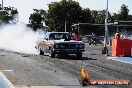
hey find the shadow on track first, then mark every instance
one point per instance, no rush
(73, 57)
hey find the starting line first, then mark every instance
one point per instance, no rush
(4, 82)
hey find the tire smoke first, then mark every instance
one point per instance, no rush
(18, 38)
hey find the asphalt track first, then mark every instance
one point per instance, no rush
(35, 71)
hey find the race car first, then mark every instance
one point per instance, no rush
(59, 43)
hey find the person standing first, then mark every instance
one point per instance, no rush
(76, 36)
(117, 35)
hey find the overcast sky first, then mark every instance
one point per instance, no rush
(25, 7)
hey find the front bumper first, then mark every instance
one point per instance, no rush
(69, 51)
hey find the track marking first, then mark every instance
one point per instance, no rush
(9, 84)
(7, 70)
(127, 60)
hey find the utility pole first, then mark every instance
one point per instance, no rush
(105, 49)
(78, 31)
(65, 25)
(106, 27)
(2, 5)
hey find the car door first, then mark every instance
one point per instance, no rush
(46, 42)
(50, 42)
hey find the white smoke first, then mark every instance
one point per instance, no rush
(18, 38)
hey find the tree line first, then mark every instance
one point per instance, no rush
(8, 15)
(70, 12)
(67, 12)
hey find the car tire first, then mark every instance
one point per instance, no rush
(52, 55)
(41, 52)
(79, 55)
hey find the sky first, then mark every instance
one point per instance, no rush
(25, 7)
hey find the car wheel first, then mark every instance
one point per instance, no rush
(52, 55)
(41, 52)
(79, 55)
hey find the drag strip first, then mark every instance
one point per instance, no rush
(33, 71)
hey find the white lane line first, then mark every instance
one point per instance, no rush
(7, 70)
(7, 81)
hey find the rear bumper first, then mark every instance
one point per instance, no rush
(69, 51)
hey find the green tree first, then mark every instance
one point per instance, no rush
(67, 11)
(7, 15)
(36, 19)
(94, 14)
(41, 12)
(85, 16)
(99, 16)
(115, 17)
(130, 17)
(124, 12)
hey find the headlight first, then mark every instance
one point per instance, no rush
(77, 46)
(56, 46)
(62, 46)
(81, 45)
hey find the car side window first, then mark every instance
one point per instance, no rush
(51, 36)
(58, 36)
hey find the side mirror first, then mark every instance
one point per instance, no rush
(46, 39)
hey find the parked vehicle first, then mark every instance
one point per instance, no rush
(59, 43)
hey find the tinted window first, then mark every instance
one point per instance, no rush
(58, 36)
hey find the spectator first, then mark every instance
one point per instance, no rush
(117, 35)
(75, 36)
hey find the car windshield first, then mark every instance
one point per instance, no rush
(58, 36)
